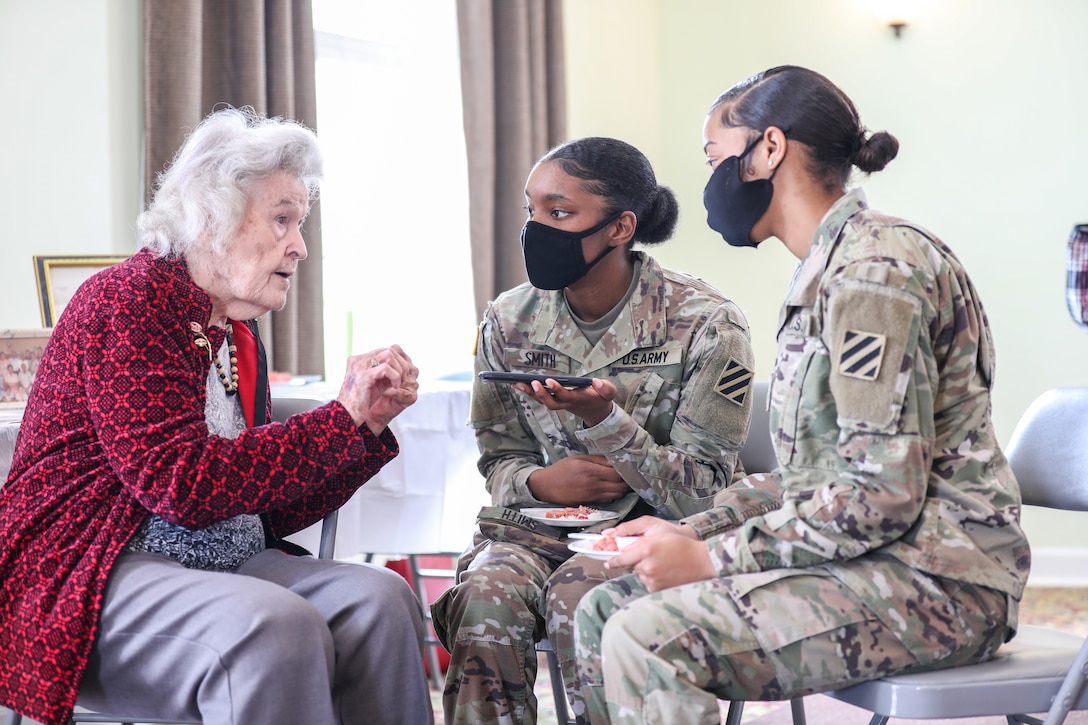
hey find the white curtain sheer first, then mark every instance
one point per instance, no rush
(397, 262)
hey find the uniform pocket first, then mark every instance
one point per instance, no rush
(785, 606)
(800, 397)
(644, 404)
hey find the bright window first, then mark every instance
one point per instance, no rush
(394, 203)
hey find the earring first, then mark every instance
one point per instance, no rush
(769, 163)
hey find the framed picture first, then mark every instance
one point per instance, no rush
(20, 353)
(59, 278)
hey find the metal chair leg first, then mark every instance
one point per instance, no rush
(559, 692)
(430, 642)
(797, 708)
(1071, 688)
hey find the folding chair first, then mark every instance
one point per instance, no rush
(1040, 670)
(419, 575)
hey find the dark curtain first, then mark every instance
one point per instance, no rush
(203, 54)
(514, 99)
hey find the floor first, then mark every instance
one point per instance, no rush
(1065, 609)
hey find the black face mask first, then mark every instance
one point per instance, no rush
(553, 257)
(734, 206)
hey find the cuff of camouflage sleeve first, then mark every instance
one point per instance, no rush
(732, 554)
(755, 495)
(611, 434)
(522, 492)
(711, 522)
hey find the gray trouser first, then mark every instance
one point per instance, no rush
(283, 639)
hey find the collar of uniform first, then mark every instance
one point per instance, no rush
(553, 327)
(642, 323)
(806, 279)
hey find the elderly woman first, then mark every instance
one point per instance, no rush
(140, 528)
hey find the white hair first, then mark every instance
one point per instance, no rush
(204, 192)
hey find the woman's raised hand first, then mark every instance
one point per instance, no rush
(378, 385)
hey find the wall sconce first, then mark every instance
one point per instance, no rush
(896, 14)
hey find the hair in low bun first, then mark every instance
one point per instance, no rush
(812, 110)
(658, 222)
(876, 151)
(622, 175)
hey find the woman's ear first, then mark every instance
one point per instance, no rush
(623, 229)
(775, 143)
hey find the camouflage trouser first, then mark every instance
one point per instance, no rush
(505, 599)
(668, 657)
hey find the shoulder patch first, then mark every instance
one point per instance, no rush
(861, 354)
(734, 382)
(872, 335)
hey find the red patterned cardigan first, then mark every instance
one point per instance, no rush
(115, 428)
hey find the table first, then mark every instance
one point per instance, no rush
(9, 430)
(426, 499)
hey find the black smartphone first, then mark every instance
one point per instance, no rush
(567, 381)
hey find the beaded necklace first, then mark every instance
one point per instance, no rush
(230, 384)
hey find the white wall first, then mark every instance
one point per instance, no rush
(987, 98)
(70, 84)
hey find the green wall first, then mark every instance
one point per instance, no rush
(71, 120)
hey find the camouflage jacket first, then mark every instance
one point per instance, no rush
(680, 356)
(880, 414)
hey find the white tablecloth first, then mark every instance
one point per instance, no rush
(9, 430)
(426, 499)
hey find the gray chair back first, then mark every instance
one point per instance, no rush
(282, 409)
(1048, 450)
(757, 454)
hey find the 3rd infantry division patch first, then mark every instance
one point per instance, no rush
(734, 382)
(862, 353)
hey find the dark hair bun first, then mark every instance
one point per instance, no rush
(876, 151)
(658, 222)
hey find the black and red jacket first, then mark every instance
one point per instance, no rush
(114, 429)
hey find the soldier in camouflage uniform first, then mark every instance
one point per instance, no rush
(897, 546)
(658, 431)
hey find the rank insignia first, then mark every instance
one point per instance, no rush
(862, 353)
(735, 382)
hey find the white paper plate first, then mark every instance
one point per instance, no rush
(584, 545)
(541, 515)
